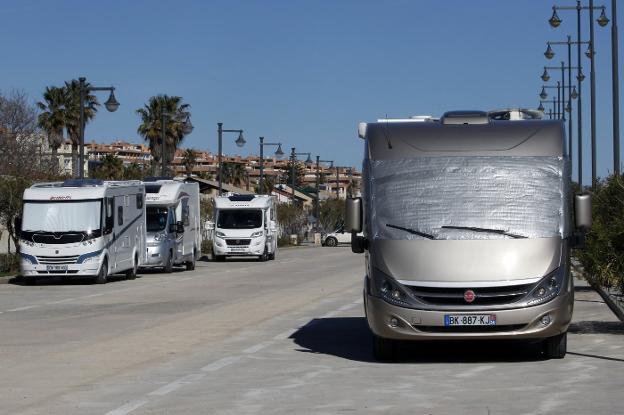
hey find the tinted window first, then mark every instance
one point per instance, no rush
(120, 215)
(239, 218)
(156, 219)
(139, 201)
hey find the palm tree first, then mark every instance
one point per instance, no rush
(151, 125)
(72, 115)
(233, 173)
(52, 118)
(110, 168)
(188, 159)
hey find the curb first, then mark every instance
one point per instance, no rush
(617, 309)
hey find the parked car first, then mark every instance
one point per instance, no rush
(337, 237)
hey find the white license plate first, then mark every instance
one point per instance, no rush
(56, 267)
(470, 320)
(238, 249)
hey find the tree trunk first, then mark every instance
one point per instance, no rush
(74, 156)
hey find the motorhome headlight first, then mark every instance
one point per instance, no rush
(388, 289)
(257, 234)
(28, 259)
(547, 288)
(159, 237)
(220, 234)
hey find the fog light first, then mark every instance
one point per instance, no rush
(394, 322)
(545, 320)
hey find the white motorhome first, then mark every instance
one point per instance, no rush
(173, 224)
(82, 228)
(467, 230)
(245, 225)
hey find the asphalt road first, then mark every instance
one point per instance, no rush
(281, 337)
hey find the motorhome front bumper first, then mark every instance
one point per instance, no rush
(392, 322)
(255, 247)
(157, 255)
(77, 270)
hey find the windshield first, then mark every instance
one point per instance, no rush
(239, 218)
(156, 218)
(468, 197)
(56, 217)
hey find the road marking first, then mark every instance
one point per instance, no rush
(28, 307)
(221, 363)
(127, 408)
(256, 348)
(474, 371)
(176, 384)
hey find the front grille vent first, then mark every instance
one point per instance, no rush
(237, 242)
(57, 260)
(483, 296)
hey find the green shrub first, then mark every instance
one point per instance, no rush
(603, 258)
(283, 240)
(9, 263)
(206, 246)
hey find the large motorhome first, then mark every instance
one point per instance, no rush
(173, 223)
(82, 228)
(245, 225)
(467, 231)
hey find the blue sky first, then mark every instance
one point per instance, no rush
(300, 72)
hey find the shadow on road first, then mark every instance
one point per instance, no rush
(350, 338)
(595, 356)
(583, 289)
(597, 327)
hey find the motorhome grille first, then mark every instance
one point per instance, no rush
(483, 296)
(237, 242)
(66, 238)
(469, 329)
(54, 260)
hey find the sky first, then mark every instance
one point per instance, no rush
(303, 73)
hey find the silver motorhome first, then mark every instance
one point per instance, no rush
(467, 231)
(173, 224)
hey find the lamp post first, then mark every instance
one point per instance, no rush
(293, 159)
(555, 21)
(111, 106)
(317, 207)
(548, 101)
(187, 128)
(557, 101)
(240, 141)
(278, 153)
(337, 183)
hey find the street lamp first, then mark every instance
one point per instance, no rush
(293, 159)
(590, 53)
(111, 105)
(549, 101)
(187, 128)
(240, 141)
(317, 207)
(278, 153)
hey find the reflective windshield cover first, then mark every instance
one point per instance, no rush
(57, 217)
(239, 218)
(521, 196)
(156, 218)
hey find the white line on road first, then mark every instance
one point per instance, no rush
(127, 408)
(221, 363)
(176, 384)
(256, 348)
(28, 307)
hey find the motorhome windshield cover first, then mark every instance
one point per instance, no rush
(498, 197)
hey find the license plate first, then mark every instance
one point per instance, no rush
(56, 267)
(237, 249)
(470, 320)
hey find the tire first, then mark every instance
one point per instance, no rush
(168, 269)
(272, 256)
(331, 242)
(131, 274)
(384, 350)
(556, 347)
(265, 256)
(190, 265)
(102, 277)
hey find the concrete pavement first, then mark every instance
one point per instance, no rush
(280, 337)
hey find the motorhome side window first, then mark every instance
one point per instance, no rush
(120, 215)
(185, 213)
(109, 219)
(139, 201)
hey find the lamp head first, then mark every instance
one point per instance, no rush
(543, 94)
(568, 108)
(279, 153)
(541, 107)
(111, 103)
(240, 141)
(545, 76)
(603, 20)
(590, 52)
(580, 76)
(187, 126)
(573, 94)
(554, 20)
(549, 52)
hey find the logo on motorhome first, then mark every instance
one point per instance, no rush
(469, 296)
(60, 197)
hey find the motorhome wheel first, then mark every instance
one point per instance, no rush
(265, 256)
(102, 277)
(132, 272)
(384, 350)
(169, 266)
(190, 265)
(556, 347)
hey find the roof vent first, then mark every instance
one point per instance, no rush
(241, 198)
(465, 118)
(82, 182)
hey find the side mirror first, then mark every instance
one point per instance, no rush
(353, 215)
(17, 224)
(583, 211)
(179, 227)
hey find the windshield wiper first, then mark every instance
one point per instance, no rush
(488, 230)
(412, 231)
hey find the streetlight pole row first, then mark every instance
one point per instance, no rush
(111, 105)
(293, 158)
(240, 141)
(278, 153)
(187, 128)
(317, 207)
